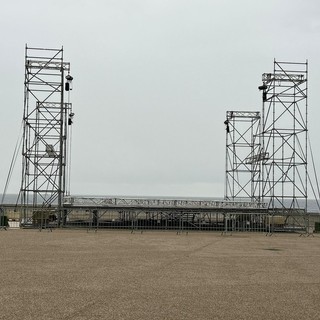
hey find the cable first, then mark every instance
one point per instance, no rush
(315, 175)
(311, 185)
(13, 162)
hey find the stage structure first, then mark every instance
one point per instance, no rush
(266, 162)
(47, 118)
(284, 137)
(243, 156)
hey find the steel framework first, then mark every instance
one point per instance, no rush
(284, 136)
(46, 118)
(266, 159)
(243, 156)
(166, 214)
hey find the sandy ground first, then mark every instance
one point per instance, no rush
(72, 274)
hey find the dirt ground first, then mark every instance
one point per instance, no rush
(75, 274)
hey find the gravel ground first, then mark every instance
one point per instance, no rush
(75, 274)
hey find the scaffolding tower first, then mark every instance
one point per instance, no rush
(46, 120)
(243, 156)
(284, 136)
(266, 159)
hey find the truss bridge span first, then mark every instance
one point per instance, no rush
(162, 204)
(163, 213)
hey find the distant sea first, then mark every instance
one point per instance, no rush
(313, 205)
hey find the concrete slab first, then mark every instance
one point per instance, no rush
(75, 274)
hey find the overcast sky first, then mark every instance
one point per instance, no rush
(153, 80)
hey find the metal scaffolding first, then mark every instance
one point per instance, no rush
(243, 156)
(284, 135)
(266, 159)
(46, 118)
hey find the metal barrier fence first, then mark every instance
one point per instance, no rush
(178, 219)
(190, 221)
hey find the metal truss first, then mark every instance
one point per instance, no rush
(165, 214)
(46, 118)
(179, 215)
(123, 203)
(243, 156)
(284, 137)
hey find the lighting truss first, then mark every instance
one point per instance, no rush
(142, 203)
